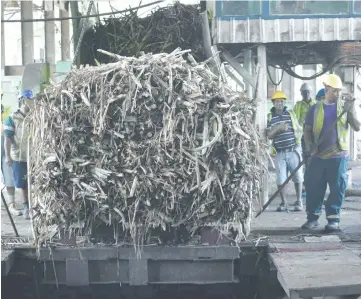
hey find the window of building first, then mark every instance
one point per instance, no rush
(241, 8)
(308, 7)
(357, 6)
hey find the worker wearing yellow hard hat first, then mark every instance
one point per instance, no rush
(285, 132)
(301, 109)
(326, 134)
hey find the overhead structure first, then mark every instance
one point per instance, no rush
(290, 41)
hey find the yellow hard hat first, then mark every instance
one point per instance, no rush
(333, 81)
(278, 95)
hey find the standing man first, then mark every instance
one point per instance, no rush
(328, 144)
(285, 132)
(301, 109)
(16, 146)
(5, 169)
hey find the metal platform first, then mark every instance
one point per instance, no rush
(7, 261)
(317, 269)
(155, 265)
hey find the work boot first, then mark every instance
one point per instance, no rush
(303, 202)
(282, 207)
(310, 224)
(26, 212)
(13, 211)
(298, 206)
(332, 227)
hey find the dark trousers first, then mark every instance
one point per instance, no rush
(321, 172)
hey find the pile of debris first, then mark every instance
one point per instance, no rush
(163, 31)
(144, 143)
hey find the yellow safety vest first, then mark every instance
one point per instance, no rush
(342, 125)
(4, 115)
(301, 109)
(297, 128)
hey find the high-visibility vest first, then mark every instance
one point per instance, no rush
(297, 128)
(4, 115)
(301, 109)
(342, 125)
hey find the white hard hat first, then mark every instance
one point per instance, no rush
(305, 86)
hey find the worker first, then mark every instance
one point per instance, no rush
(16, 145)
(285, 132)
(301, 109)
(5, 169)
(320, 95)
(326, 143)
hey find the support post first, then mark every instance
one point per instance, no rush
(248, 67)
(49, 28)
(292, 89)
(2, 40)
(65, 35)
(262, 108)
(27, 33)
(74, 8)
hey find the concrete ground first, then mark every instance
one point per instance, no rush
(283, 226)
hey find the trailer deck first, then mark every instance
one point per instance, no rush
(277, 252)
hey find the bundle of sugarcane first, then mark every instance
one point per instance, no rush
(147, 142)
(164, 30)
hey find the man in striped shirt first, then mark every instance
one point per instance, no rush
(285, 132)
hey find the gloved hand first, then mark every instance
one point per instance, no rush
(308, 152)
(349, 102)
(306, 155)
(349, 106)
